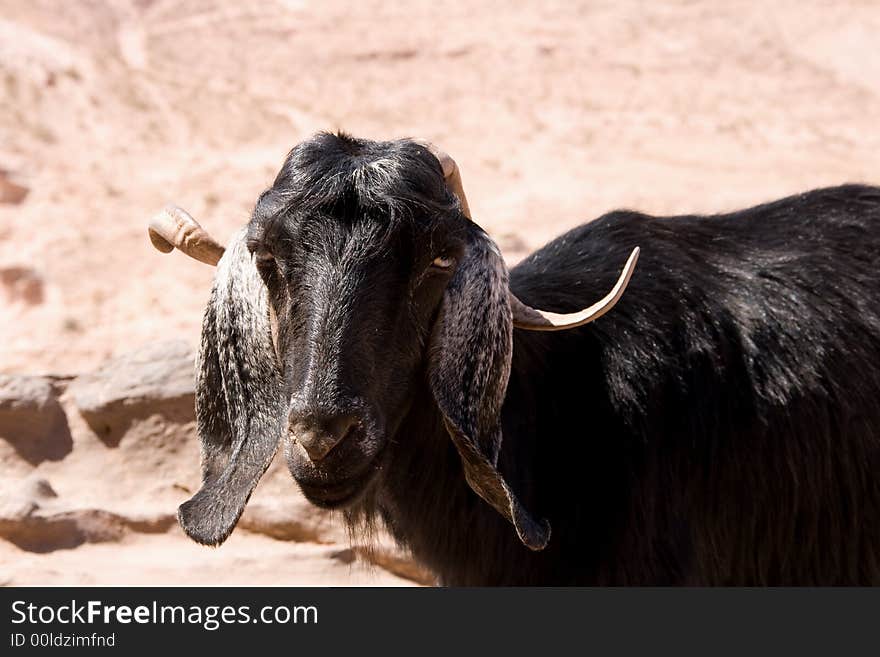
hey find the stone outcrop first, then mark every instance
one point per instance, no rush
(33, 426)
(157, 379)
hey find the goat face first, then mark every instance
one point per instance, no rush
(357, 280)
(376, 282)
(354, 290)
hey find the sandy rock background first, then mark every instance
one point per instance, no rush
(555, 111)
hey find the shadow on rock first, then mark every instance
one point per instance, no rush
(32, 420)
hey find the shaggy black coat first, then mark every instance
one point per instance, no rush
(721, 426)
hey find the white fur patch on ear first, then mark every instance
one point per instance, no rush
(239, 403)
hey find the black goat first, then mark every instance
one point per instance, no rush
(720, 426)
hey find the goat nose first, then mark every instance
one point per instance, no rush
(319, 434)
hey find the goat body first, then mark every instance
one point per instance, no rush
(720, 427)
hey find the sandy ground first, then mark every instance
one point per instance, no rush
(173, 560)
(555, 111)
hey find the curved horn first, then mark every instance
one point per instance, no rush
(526, 317)
(450, 172)
(173, 227)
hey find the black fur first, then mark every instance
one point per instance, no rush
(721, 425)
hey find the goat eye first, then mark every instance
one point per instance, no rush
(266, 263)
(264, 258)
(442, 262)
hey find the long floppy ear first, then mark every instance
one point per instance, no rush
(239, 403)
(469, 365)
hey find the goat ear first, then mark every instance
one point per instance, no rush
(239, 402)
(469, 365)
